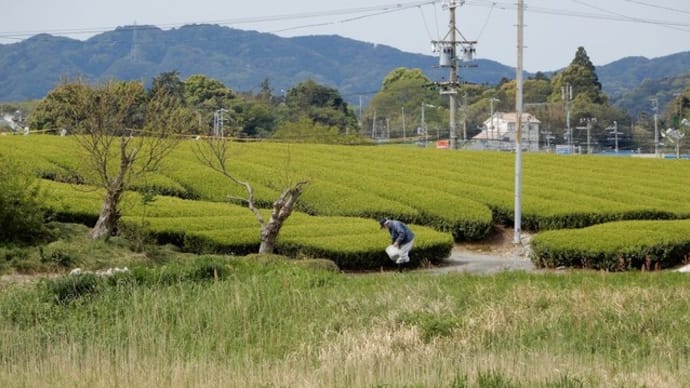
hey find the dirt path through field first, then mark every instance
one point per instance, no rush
(494, 254)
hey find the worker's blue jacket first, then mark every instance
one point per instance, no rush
(400, 233)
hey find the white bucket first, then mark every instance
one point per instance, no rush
(393, 252)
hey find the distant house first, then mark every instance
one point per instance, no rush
(7, 120)
(499, 132)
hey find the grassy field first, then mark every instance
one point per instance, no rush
(273, 323)
(226, 321)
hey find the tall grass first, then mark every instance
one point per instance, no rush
(279, 325)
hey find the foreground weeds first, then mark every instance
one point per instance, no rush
(269, 323)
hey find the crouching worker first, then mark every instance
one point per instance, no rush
(402, 240)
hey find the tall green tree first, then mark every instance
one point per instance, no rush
(55, 111)
(205, 96)
(254, 116)
(581, 75)
(168, 83)
(407, 92)
(321, 104)
(201, 91)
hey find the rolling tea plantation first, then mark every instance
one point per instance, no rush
(592, 211)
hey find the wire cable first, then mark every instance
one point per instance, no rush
(342, 21)
(658, 6)
(486, 23)
(236, 21)
(426, 26)
(578, 14)
(625, 17)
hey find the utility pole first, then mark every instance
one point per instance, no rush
(464, 116)
(493, 125)
(403, 124)
(453, 81)
(548, 136)
(448, 58)
(655, 108)
(359, 118)
(388, 128)
(615, 133)
(588, 121)
(518, 125)
(373, 127)
(218, 123)
(426, 132)
(567, 95)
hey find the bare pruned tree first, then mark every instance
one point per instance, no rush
(214, 153)
(124, 135)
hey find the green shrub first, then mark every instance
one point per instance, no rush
(318, 264)
(22, 217)
(198, 270)
(60, 254)
(68, 288)
(565, 381)
(11, 256)
(494, 379)
(11, 253)
(432, 325)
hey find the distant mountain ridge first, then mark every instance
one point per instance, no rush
(625, 74)
(242, 59)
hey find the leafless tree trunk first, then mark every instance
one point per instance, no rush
(282, 209)
(214, 153)
(103, 115)
(109, 215)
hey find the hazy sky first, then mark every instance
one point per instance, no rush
(609, 30)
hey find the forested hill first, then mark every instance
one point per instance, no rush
(625, 74)
(240, 59)
(243, 59)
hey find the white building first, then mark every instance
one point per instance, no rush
(499, 132)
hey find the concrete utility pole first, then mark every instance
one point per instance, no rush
(493, 122)
(567, 95)
(615, 133)
(655, 108)
(518, 124)
(464, 116)
(448, 58)
(588, 121)
(373, 127)
(453, 83)
(403, 124)
(219, 123)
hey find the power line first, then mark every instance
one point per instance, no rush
(399, 8)
(506, 6)
(625, 17)
(377, 10)
(486, 23)
(237, 21)
(426, 26)
(658, 6)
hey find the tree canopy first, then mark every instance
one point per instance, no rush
(321, 104)
(582, 76)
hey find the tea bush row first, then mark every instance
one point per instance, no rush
(615, 246)
(211, 227)
(460, 192)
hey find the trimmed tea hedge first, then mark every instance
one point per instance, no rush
(211, 227)
(615, 246)
(461, 192)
